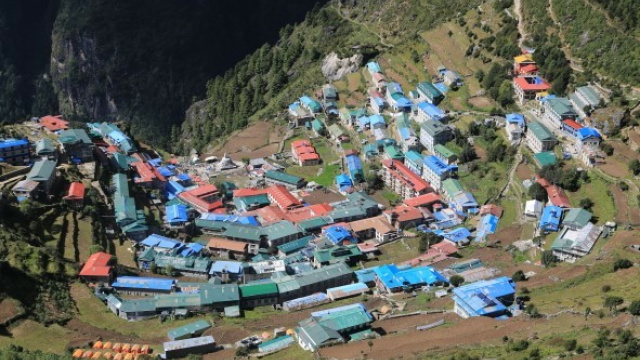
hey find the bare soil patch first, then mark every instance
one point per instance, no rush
(482, 154)
(524, 172)
(258, 140)
(508, 235)
(617, 164)
(9, 308)
(480, 102)
(625, 213)
(82, 333)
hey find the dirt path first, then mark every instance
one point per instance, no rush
(382, 41)
(517, 5)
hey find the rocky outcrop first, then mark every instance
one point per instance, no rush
(334, 68)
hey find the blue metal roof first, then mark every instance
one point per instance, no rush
(456, 235)
(176, 213)
(231, 267)
(392, 277)
(13, 142)
(353, 162)
(343, 180)
(366, 275)
(165, 171)
(146, 283)
(550, 219)
(394, 88)
(243, 220)
(191, 249)
(155, 162)
(402, 101)
(515, 119)
(155, 240)
(323, 313)
(184, 177)
(431, 110)
(488, 225)
(438, 166)
(482, 298)
(338, 234)
(588, 132)
(405, 133)
(373, 67)
(364, 121)
(377, 120)
(348, 288)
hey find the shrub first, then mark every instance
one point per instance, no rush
(519, 345)
(606, 288)
(570, 345)
(634, 308)
(623, 186)
(456, 280)
(622, 264)
(518, 276)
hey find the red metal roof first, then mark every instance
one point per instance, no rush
(76, 191)
(572, 124)
(54, 123)
(304, 150)
(492, 209)
(307, 212)
(311, 156)
(219, 243)
(282, 197)
(558, 197)
(200, 204)
(112, 149)
(97, 265)
(248, 192)
(145, 172)
(401, 172)
(423, 200)
(522, 83)
(300, 143)
(377, 77)
(528, 69)
(270, 214)
(204, 190)
(406, 213)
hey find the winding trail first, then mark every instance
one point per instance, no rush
(382, 41)
(517, 5)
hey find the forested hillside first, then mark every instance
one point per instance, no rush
(265, 82)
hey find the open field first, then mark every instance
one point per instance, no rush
(598, 191)
(259, 139)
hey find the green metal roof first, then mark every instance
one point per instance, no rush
(335, 130)
(337, 253)
(561, 106)
(184, 263)
(44, 146)
(590, 94)
(73, 136)
(545, 158)
(317, 125)
(121, 183)
(346, 319)
(433, 128)
(121, 160)
(452, 186)
(540, 131)
(283, 177)
(248, 233)
(318, 334)
(371, 149)
(149, 254)
(42, 170)
(189, 330)
(323, 274)
(577, 217)
(444, 151)
(429, 90)
(312, 224)
(248, 201)
(393, 152)
(280, 229)
(295, 245)
(361, 199)
(347, 212)
(259, 289)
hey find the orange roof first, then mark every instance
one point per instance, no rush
(558, 197)
(492, 209)
(300, 143)
(270, 214)
(406, 213)
(158, 175)
(145, 172)
(401, 172)
(54, 123)
(97, 265)
(248, 192)
(304, 150)
(306, 157)
(527, 69)
(542, 181)
(204, 190)
(423, 200)
(379, 223)
(282, 197)
(218, 243)
(523, 84)
(307, 212)
(200, 204)
(112, 149)
(572, 124)
(445, 247)
(76, 191)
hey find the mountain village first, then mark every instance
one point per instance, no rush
(209, 234)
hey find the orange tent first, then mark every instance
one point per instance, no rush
(135, 349)
(107, 345)
(117, 347)
(118, 356)
(107, 355)
(78, 353)
(126, 348)
(87, 354)
(96, 355)
(129, 356)
(145, 349)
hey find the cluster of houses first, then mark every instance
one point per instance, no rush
(569, 116)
